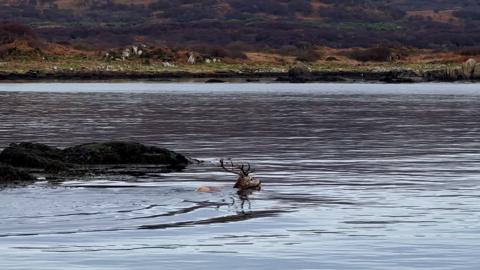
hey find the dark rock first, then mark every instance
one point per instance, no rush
(282, 79)
(401, 76)
(215, 81)
(447, 74)
(13, 176)
(109, 158)
(123, 153)
(476, 72)
(87, 159)
(467, 71)
(454, 74)
(331, 58)
(299, 73)
(33, 155)
(434, 75)
(40, 156)
(391, 79)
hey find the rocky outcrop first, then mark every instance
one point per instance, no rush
(299, 73)
(476, 72)
(215, 81)
(447, 74)
(454, 74)
(109, 153)
(10, 176)
(468, 68)
(54, 162)
(33, 155)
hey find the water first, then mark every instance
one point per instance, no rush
(356, 176)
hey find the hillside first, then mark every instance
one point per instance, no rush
(252, 24)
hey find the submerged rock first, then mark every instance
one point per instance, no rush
(13, 176)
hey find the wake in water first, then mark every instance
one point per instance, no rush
(353, 176)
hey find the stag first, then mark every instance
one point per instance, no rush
(244, 181)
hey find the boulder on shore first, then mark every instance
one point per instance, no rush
(476, 72)
(454, 73)
(299, 73)
(468, 68)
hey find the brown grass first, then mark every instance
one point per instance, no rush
(268, 58)
(443, 16)
(318, 4)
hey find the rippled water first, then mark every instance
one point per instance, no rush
(356, 176)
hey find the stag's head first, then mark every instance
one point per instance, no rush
(244, 171)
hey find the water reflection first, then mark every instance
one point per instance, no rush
(243, 196)
(354, 176)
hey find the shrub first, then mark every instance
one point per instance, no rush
(161, 53)
(308, 55)
(377, 54)
(10, 32)
(219, 52)
(470, 51)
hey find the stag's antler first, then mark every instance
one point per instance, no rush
(242, 170)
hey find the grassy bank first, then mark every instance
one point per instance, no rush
(78, 65)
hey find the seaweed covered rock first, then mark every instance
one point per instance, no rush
(80, 160)
(13, 176)
(41, 156)
(123, 153)
(33, 155)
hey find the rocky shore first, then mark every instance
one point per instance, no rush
(24, 163)
(300, 73)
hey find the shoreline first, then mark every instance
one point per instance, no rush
(397, 76)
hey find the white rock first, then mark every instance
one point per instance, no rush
(191, 59)
(468, 68)
(126, 53)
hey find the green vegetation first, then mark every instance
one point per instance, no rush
(79, 65)
(380, 26)
(262, 25)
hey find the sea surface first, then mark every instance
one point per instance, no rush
(355, 176)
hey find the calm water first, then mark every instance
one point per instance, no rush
(355, 177)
